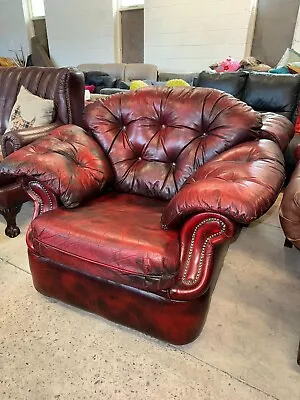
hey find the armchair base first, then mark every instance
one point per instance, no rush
(176, 322)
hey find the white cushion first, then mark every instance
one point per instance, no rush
(30, 111)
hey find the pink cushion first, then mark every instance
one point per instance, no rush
(90, 88)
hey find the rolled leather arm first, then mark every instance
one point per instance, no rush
(241, 184)
(198, 239)
(15, 140)
(67, 161)
(289, 212)
(277, 128)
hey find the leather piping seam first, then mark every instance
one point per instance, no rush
(40, 201)
(87, 274)
(66, 85)
(125, 271)
(190, 282)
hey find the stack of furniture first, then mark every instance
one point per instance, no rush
(265, 93)
(163, 183)
(118, 73)
(66, 88)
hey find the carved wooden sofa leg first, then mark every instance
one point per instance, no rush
(10, 215)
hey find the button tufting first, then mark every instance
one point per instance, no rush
(174, 164)
(163, 126)
(139, 159)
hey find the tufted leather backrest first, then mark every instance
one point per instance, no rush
(155, 138)
(63, 85)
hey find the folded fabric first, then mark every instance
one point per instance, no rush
(290, 56)
(281, 70)
(294, 69)
(100, 80)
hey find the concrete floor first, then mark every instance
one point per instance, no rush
(247, 349)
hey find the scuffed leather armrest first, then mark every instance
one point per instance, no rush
(277, 128)
(241, 184)
(199, 258)
(289, 212)
(67, 161)
(15, 140)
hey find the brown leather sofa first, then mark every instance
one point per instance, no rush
(162, 186)
(66, 88)
(289, 212)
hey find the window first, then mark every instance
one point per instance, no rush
(131, 3)
(37, 8)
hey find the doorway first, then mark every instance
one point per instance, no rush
(274, 29)
(132, 31)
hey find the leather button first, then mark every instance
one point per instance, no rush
(174, 164)
(140, 158)
(163, 126)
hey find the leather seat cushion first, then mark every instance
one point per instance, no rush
(117, 237)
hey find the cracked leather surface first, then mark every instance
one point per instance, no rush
(146, 145)
(241, 184)
(278, 129)
(156, 139)
(117, 237)
(67, 161)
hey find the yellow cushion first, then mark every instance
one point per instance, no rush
(177, 83)
(134, 85)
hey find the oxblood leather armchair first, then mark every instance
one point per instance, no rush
(132, 224)
(66, 88)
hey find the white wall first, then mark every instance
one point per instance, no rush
(80, 32)
(296, 41)
(13, 29)
(189, 35)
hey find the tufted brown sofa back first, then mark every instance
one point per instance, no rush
(156, 138)
(63, 85)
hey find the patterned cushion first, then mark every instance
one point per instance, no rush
(30, 111)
